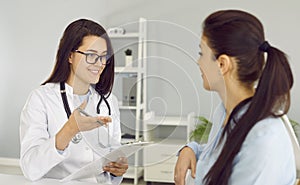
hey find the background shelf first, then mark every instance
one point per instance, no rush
(126, 35)
(135, 79)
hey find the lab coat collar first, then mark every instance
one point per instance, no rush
(69, 89)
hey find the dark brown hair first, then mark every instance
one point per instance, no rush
(72, 40)
(239, 34)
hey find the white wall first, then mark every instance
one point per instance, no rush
(179, 23)
(31, 29)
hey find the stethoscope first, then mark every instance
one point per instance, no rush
(78, 137)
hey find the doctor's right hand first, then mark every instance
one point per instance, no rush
(84, 122)
(75, 124)
(186, 160)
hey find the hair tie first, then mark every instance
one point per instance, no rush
(264, 46)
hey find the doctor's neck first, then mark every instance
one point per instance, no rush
(79, 87)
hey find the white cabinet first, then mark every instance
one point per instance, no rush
(169, 134)
(131, 114)
(159, 161)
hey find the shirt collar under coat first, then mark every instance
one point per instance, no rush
(69, 89)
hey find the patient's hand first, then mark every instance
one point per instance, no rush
(186, 160)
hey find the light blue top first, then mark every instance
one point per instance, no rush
(266, 156)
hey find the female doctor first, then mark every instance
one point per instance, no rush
(56, 138)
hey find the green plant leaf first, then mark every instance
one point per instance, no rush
(201, 132)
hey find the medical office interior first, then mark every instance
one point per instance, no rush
(171, 85)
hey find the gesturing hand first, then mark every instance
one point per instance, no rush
(76, 123)
(85, 123)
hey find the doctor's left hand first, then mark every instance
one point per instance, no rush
(117, 168)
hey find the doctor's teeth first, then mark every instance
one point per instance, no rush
(94, 71)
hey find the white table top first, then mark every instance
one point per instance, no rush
(21, 180)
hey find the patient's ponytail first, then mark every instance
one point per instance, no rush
(274, 84)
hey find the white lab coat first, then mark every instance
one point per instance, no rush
(44, 115)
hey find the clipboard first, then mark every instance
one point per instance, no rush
(95, 167)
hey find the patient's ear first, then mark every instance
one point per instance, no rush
(225, 64)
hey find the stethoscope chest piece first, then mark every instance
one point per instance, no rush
(77, 138)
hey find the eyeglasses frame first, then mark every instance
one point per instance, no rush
(98, 57)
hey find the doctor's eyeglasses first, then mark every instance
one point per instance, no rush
(92, 58)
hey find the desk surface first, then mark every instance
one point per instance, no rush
(21, 180)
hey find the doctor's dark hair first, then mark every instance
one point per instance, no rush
(71, 41)
(239, 34)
